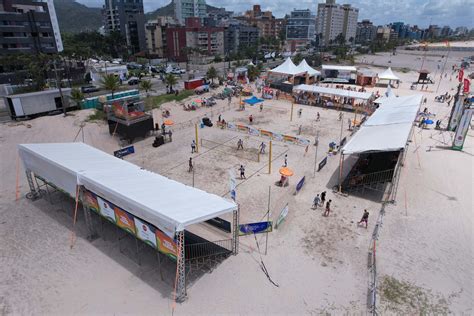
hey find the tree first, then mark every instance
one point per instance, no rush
(77, 96)
(340, 39)
(111, 83)
(211, 73)
(298, 58)
(170, 81)
(253, 72)
(146, 85)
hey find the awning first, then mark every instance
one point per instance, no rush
(388, 128)
(388, 75)
(333, 91)
(169, 205)
(288, 68)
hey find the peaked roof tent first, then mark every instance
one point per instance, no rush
(169, 205)
(288, 68)
(388, 128)
(388, 75)
(338, 67)
(332, 91)
(303, 66)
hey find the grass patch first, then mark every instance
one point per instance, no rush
(156, 101)
(98, 115)
(405, 298)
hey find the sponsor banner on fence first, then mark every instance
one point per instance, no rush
(255, 228)
(232, 184)
(282, 216)
(266, 133)
(253, 131)
(303, 141)
(457, 113)
(145, 232)
(106, 210)
(166, 245)
(243, 128)
(90, 201)
(323, 163)
(462, 129)
(124, 151)
(231, 126)
(343, 141)
(125, 220)
(289, 139)
(300, 185)
(278, 137)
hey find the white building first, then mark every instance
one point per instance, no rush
(55, 25)
(334, 19)
(189, 8)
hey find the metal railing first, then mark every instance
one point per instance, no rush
(208, 249)
(374, 181)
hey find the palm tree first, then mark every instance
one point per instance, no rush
(170, 80)
(146, 85)
(211, 74)
(111, 83)
(77, 96)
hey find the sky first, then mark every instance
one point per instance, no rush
(420, 12)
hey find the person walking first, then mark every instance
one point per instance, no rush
(300, 111)
(250, 119)
(262, 148)
(240, 144)
(191, 167)
(365, 219)
(349, 122)
(323, 197)
(317, 117)
(316, 202)
(261, 107)
(193, 147)
(340, 116)
(328, 208)
(242, 172)
(285, 163)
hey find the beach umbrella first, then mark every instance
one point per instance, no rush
(285, 171)
(168, 122)
(429, 122)
(198, 101)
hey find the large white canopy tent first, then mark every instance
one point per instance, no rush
(333, 91)
(388, 75)
(169, 205)
(388, 128)
(304, 67)
(288, 68)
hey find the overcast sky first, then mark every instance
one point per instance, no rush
(421, 12)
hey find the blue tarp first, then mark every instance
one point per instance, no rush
(253, 100)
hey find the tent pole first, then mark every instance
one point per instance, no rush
(235, 231)
(181, 269)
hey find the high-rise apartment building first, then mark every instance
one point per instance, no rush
(126, 17)
(184, 9)
(334, 19)
(301, 25)
(29, 26)
(238, 35)
(366, 31)
(264, 20)
(155, 32)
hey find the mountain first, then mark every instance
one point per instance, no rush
(74, 17)
(168, 10)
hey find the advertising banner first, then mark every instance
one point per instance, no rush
(290, 139)
(90, 201)
(467, 84)
(106, 210)
(457, 113)
(231, 126)
(343, 141)
(232, 184)
(278, 137)
(124, 151)
(462, 129)
(303, 141)
(323, 163)
(282, 216)
(461, 74)
(145, 232)
(125, 221)
(266, 133)
(242, 128)
(255, 228)
(166, 245)
(253, 131)
(300, 185)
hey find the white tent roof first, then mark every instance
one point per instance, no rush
(288, 68)
(388, 75)
(388, 128)
(338, 67)
(165, 203)
(332, 91)
(304, 67)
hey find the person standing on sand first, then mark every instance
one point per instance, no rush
(191, 167)
(316, 202)
(262, 148)
(285, 163)
(300, 111)
(323, 197)
(317, 117)
(240, 144)
(242, 172)
(328, 208)
(349, 122)
(193, 147)
(365, 219)
(261, 107)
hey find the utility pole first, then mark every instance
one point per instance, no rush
(316, 143)
(58, 84)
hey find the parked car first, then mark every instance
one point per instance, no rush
(89, 89)
(133, 81)
(201, 89)
(178, 71)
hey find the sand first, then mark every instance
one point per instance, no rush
(319, 263)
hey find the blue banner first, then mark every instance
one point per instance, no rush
(124, 151)
(300, 184)
(322, 163)
(255, 228)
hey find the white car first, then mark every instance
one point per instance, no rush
(178, 71)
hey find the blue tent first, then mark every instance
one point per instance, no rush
(253, 100)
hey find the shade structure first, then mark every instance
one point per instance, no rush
(388, 128)
(332, 91)
(303, 66)
(253, 100)
(288, 68)
(169, 205)
(388, 75)
(285, 171)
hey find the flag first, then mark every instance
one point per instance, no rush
(461, 74)
(467, 84)
(232, 184)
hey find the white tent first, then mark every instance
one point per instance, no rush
(388, 75)
(388, 128)
(333, 91)
(165, 203)
(339, 68)
(288, 68)
(304, 67)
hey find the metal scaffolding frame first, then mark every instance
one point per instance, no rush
(180, 295)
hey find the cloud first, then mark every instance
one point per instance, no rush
(419, 12)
